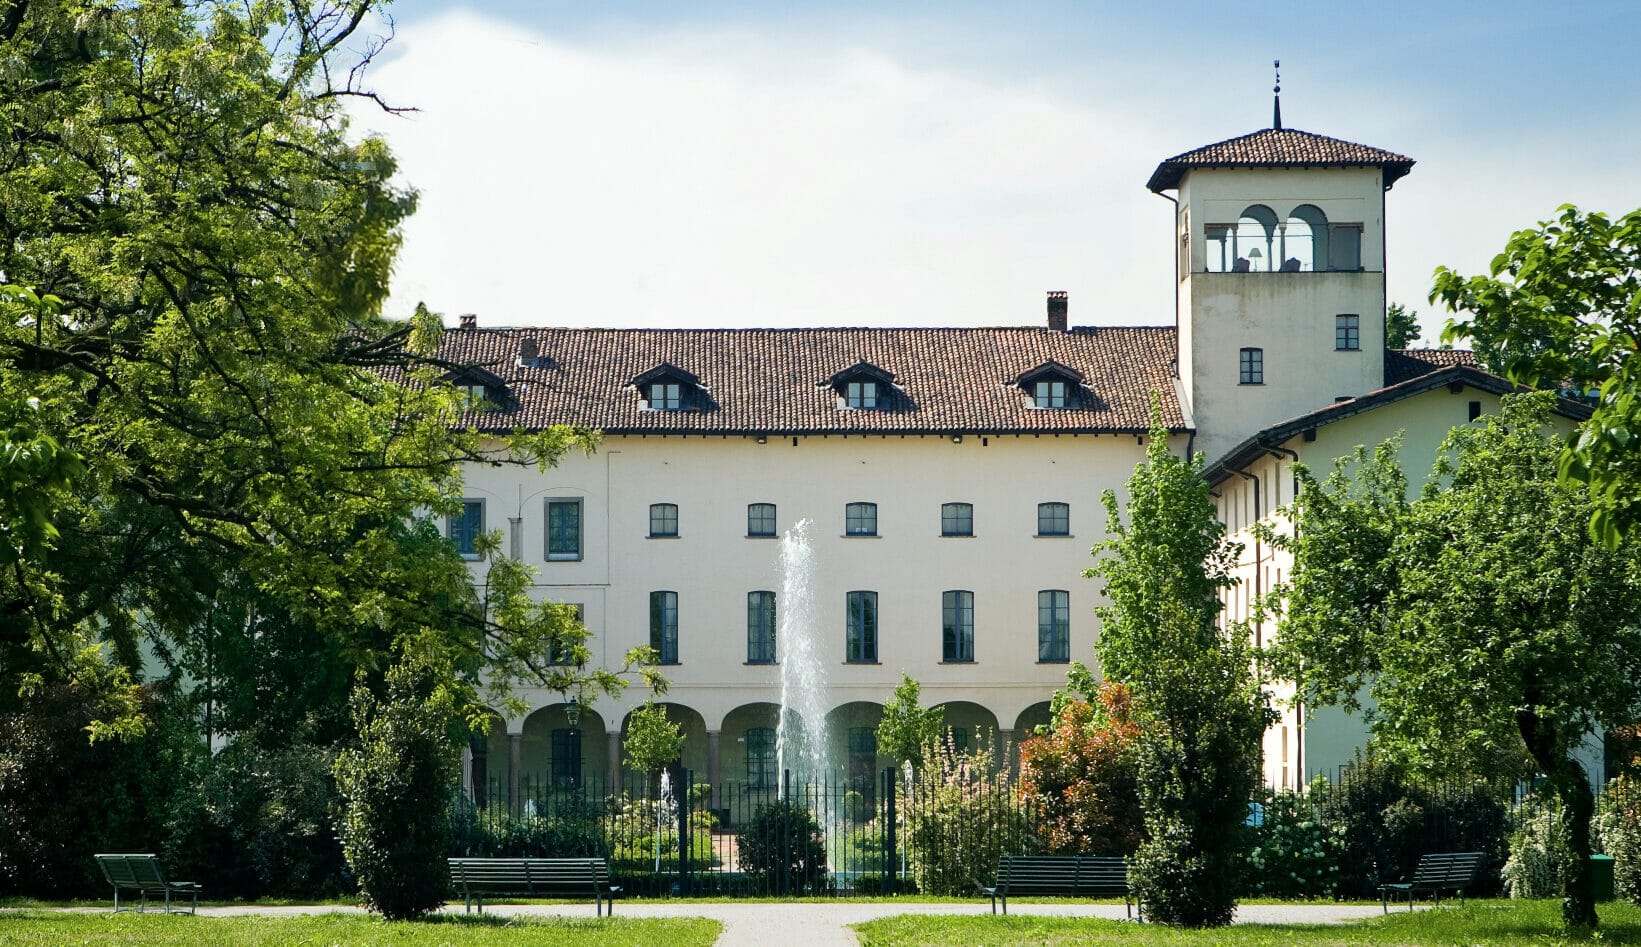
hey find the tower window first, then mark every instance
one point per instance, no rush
(1252, 367)
(1347, 332)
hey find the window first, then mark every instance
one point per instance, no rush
(760, 758)
(1053, 625)
(957, 626)
(1054, 519)
(860, 394)
(1253, 367)
(465, 528)
(563, 529)
(666, 396)
(1347, 332)
(566, 756)
(475, 397)
(663, 520)
(560, 651)
(860, 519)
(760, 627)
(957, 519)
(860, 636)
(664, 626)
(1049, 394)
(760, 519)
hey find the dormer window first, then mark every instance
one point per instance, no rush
(480, 390)
(668, 388)
(863, 387)
(1049, 394)
(1052, 385)
(666, 396)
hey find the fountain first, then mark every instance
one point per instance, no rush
(803, 673)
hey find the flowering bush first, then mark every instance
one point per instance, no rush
(1294, 854)
(1538, 851)
(960, 817)
(1080, 777)
(1618, 825)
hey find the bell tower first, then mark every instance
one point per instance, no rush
(1281, 276)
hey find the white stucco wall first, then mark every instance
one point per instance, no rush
(712, 564)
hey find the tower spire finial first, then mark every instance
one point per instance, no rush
(1276, 108)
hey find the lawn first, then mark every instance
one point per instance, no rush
(47, 927)
(1477, 922)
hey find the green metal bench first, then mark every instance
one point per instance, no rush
(1072, 875)
(143, 873)
(1443, 871)
(533, 878)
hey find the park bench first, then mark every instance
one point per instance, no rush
(533, 878)
(1443, 871)
(142, 873)
(1071, 875)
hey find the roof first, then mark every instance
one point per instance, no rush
(1455, 373)
(1280, 148)
(1404, 364)
(770, 381)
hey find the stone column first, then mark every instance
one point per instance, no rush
(715, 771)
(1005, 750)
(515, 767)
(467, 771)
(613, 768)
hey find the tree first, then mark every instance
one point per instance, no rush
(1198, 703)
(652, 740)
(396, 788)
(1481, 616)
(208, 250)
(1561, 306)
(1401, 326)
(907, 726)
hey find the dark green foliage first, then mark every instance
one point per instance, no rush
(783, 844)
(1382, 822)
(1401, 326)
(1199, 705)
(396, 788)
(494, 833)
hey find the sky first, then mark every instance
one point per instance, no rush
(910, 164)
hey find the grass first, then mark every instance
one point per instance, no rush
(43, 927)
(1477, 922)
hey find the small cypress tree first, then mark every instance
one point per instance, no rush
(396, 788)
(1196, 696)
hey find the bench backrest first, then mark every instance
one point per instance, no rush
(1448, 868)
(133, 871)
(1072, 874)
(529, 874)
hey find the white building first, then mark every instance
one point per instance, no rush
(952, 476)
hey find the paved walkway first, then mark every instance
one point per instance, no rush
(825, 924)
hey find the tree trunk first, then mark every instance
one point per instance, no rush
(1572, 788)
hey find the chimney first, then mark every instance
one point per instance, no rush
(529, 352)
(469, 320)
(1057, 304)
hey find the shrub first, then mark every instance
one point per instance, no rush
(1619, 826)
(784, 847)
(1294, 854)
(396, 786)
(962, 815)
(1538, 851)
(1080, 777)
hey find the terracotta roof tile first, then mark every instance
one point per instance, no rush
(775, 381)
(1404, 364)
(1279, 148)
